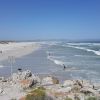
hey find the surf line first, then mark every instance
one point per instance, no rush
(56, 61)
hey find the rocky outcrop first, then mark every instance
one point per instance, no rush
(25, 79)
(49, 80)
(21, 75)
(87, 90)
(73, 89)
(68, 83)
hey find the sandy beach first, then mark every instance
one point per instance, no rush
(17, 50)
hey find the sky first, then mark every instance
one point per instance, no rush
(49, 19)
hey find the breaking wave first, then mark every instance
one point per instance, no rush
(1, 66)
(58, 62)
(82, 48)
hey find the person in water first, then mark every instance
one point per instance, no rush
(49, 54)
(64, 67)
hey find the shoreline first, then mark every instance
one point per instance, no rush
(21, 83)
(17, 50)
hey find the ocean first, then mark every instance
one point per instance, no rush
(81, 61)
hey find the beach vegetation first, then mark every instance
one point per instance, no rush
(68, 98)
(55, 80)
(37, 94)
(92, 98)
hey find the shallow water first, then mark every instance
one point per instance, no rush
(82, 61)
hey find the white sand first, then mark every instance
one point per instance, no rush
(17, 49)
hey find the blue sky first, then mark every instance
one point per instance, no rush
(49, 19)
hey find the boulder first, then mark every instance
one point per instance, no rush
(21, 75)
(98, 91)
(96, 86)
(55, 80)
(87, 90)
(79, 83)
(25, 74)
(15, 77)
(68, 83)
(1, 91)
(50, 80)
(25, 79)
(86, 83)
(1, 78)
(64, 90)
(26, 83)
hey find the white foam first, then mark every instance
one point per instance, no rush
(50, 42)
(79, 55)
(78, 44)
(82, 48)
(96, 44)
(1, 66)
(58, 62)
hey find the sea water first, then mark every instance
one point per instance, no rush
(81, 61)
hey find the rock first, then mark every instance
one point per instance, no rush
(76, 88)
(27, 74)
(98, 91)
(25, 79)
(86, 90)
(79, 83)
(4, 80)
(15, 77)
(64, 90)
(86, 83)
(1, 78)
(1, 91)
(68, 83)
(55, 80)
(21, 75)
(26, 83)
(22, 98)
(36, 79)
(96, 86)
(49, 80)
(76, 97)
(81, 97)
